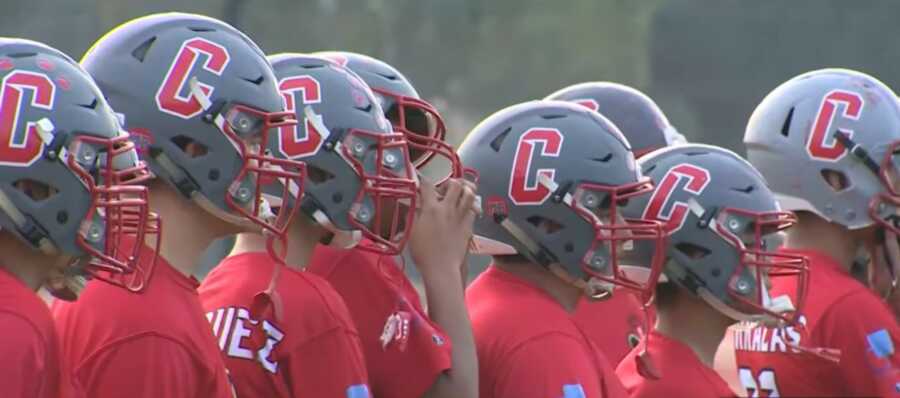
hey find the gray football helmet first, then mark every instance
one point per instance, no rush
(639, 118)
(724, 229)
(188, 81)
(408, 112)
(359, 170)
(553, 176)
(828, 142)
(65, 164)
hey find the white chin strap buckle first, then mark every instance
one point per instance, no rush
(781, 304)
(599, 288)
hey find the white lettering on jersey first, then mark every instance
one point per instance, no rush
(234, 331)
(754, 337)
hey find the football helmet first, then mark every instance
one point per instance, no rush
(828, 142)
(724, 229)
(359, 170)
(553, 177)
(408, 112)
(639, 118)
(202, 98)
(65, 163)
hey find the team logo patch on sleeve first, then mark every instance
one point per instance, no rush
(573, 391)
(358, 391)
(880, 343)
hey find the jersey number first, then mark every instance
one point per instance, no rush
(761, 385)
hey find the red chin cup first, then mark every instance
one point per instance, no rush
(384, 209)
(755, 236)
(118, 223)
(415, 118)
(598, 205)
(248, 129)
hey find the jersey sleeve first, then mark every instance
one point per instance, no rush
(144, 367)
(866, 333)
(24, 356)
(549, 366)
(338, 371)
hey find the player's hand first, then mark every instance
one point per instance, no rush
(443, 225)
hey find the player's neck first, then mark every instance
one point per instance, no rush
(29, 266)
(303, 236)
(816, 234)
(187, 229)
(564, 293)
(694, 323)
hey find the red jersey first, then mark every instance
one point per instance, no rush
(614, 325)
(313, 351)
(529, 346)
(841, 314)
(681, 373)
(155, 343)
(405, 351)
(30, 366)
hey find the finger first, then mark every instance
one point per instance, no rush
(454, 192)
(467, 200)
(428, 195)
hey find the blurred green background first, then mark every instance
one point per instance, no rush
(706, 62)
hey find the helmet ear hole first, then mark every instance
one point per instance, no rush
(692, 251)
(189, 146)
(35, 190)
(318, 175)
(837, 180)
(545, 225)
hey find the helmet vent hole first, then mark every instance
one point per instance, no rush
(603, 159)
(835, 179)
(62, 217)
(35, 190)
(786, 127)
(318, 175)
(497, 142)
(748, 189)
(552, 116)
(140, 52)
(390, 77)
(92, 105)
(692, 251)
(201, 29)
(21, 55)
(191, 148)
(256, 81)
(545, 225)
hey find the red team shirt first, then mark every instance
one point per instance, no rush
(681, 373)
(313, 352)
(155, 343)
(840, 313)
(530, 347)
(614, 325)
(381, 299)
(30, 366)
